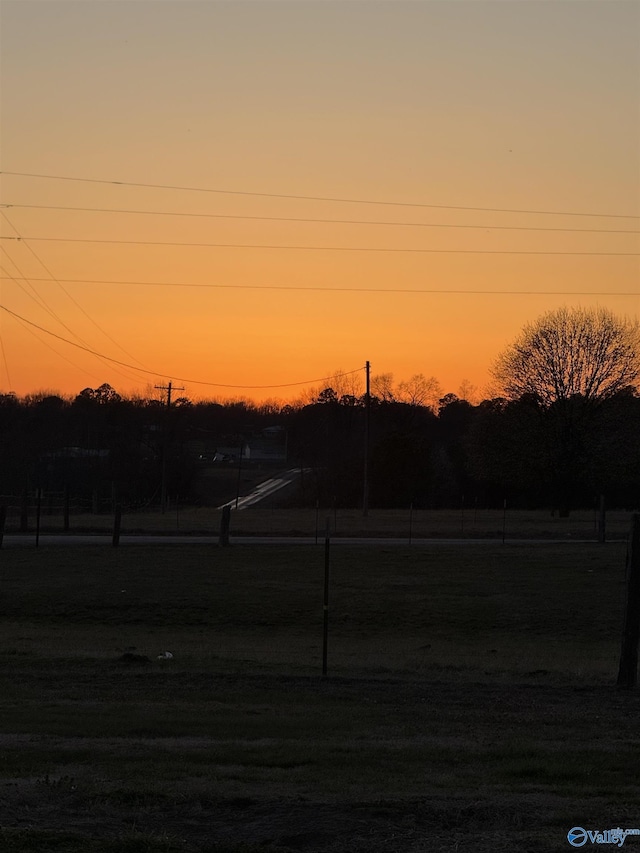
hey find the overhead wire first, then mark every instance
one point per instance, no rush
(163, 373)
(31, 326)
(342, 289)
(4, 361)
(23, 322)
(42, 304)
(25, 240)
(8, 275)
(316, 220)
(317, 248)
(316, 198)
(36, 296)
(59, 354)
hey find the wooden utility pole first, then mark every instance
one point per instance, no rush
(628, 671)
(225, 524)
(168, 388)
(602, 518)
(117, 522)
(325, 606)
(165, 445)
(367, 414)
(65, 508)
(38, 513)
(3, 519)
(239, 479)
(24, 510)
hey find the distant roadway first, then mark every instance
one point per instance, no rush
(260, 493)
(266, 489)
(28, 540)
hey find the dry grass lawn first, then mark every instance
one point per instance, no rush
(470, 703)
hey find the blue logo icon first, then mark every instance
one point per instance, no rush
(577, 836)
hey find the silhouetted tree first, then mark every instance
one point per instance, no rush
(382, 387)
(507, 452)
(104, 394)
(569, 352)
(571, 361)
(328, 395)
(420, 390)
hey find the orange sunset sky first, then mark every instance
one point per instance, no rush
(401, 182)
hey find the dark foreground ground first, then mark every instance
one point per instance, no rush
(469, 705)
(441, 767)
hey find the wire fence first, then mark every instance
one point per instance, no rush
(60, 512)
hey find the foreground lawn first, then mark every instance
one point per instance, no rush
(469, 705)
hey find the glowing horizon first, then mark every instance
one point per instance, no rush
(509, 106)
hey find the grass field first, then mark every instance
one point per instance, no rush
(470, 703)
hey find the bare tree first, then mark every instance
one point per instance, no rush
(382, 387)
(571, 352)
(420, 390)
(343, 385)
(468, 391)
(347, 384)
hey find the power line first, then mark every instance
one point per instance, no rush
(161, 373)
(24, 325)
(4, 361)
(38, 298)
(330, 289)
(317, 198)
(59, 354)
(52, 314)
(317, 220)
(68, 295)
(315, 248)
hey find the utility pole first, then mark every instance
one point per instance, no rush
(168, 388)
(367, 412)
(165, 445)
(628, 672)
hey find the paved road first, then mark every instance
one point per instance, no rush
(266, 489)
(13, 540)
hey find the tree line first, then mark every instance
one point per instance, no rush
(564, 430)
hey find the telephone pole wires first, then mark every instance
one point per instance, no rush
(165, 445)
(367, 414)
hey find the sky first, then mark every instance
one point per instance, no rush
(246, 197)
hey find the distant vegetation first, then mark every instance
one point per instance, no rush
(100, 444)
(563, 430)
